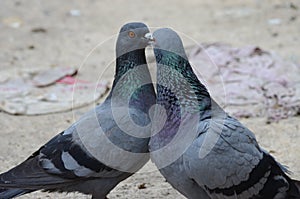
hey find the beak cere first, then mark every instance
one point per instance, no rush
(149, 37)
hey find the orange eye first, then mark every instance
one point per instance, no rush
(131, 34)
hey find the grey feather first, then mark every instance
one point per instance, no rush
(94, 154)
(222, 159)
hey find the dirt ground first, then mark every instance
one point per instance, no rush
(61, 33)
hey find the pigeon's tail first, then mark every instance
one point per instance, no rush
(27, 177)
(11, 193)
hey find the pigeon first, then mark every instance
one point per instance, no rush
(201, 150)
(107, 144)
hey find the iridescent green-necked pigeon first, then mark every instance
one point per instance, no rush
(107, 144)
(201, 150)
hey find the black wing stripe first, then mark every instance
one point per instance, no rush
(86, 160)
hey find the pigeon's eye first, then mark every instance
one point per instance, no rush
(131, 34)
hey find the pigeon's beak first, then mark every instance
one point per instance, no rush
(149, 37)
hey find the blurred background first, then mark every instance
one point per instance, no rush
(49, 34)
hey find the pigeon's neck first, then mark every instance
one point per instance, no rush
(132, 84)
(178, 87)
(128, 61)
(181, 95)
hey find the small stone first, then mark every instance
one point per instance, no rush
(142, 186)
(75, 13)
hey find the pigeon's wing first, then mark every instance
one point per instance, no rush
(236, 165)
(74, 155)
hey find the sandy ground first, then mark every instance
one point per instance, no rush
(272, 25)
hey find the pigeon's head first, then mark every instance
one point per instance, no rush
(166, 39)
(133, 36)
